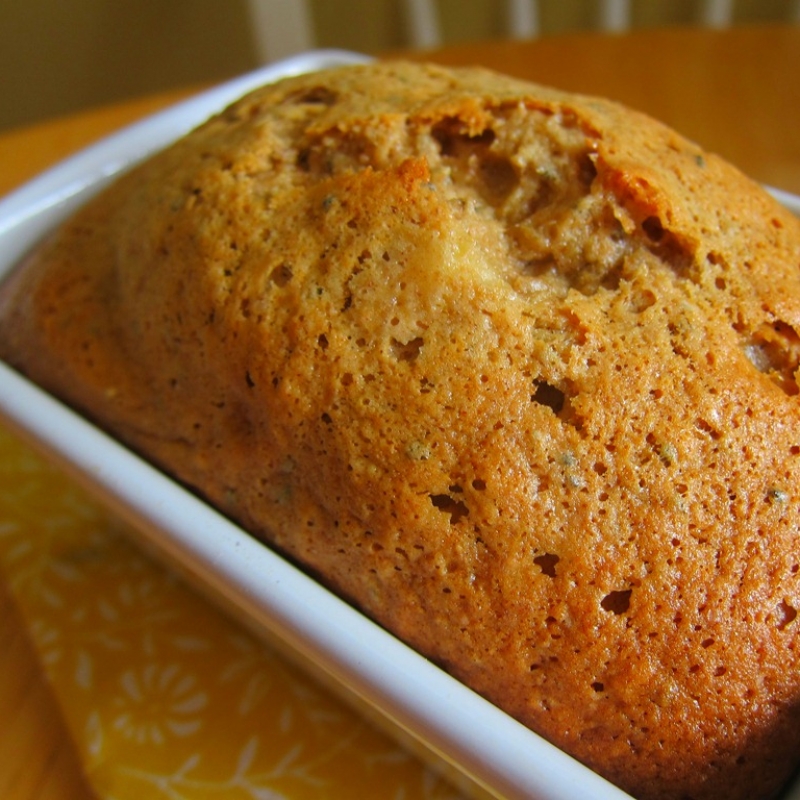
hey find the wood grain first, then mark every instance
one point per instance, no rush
(37, 756)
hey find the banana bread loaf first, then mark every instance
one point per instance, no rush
(513, 371)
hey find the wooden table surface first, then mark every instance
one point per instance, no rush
(736, 92)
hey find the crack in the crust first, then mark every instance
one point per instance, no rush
(559, 217)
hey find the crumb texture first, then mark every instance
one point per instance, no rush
(513, 371)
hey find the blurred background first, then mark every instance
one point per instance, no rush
(57, 56)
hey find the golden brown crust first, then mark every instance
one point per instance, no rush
(514, 371)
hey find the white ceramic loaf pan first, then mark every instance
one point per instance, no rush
(483, 748)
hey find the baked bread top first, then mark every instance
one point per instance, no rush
(514, 371)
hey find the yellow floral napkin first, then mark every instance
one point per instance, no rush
(164, 695)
